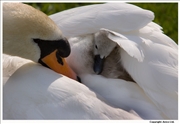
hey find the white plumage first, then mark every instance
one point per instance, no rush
(35, 92)
(147, 54)
(89, 19)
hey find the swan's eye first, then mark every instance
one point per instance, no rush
(96, 47)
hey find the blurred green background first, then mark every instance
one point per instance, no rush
(166, 14)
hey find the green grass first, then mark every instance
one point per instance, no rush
(166, 14)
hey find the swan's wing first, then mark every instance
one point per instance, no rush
(35, 92)
(122, 94)
(157, 75)
(157, 72)
(153, 32)
(131, 47)
(121, 17)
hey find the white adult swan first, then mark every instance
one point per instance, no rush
(30, 37)
(31, 91)
(149, 56)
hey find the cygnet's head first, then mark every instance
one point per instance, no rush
(29, 33)
(103, 46)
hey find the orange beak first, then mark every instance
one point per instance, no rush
(51, 61)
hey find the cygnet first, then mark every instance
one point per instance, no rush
(100, 56)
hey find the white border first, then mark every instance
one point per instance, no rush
(73, 121)
(89, 1)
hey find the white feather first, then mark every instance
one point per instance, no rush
(147, 54)
(89, 19)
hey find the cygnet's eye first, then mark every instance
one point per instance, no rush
(96, 47)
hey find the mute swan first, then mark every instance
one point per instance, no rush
(149, 57)
(31, 91)
(42, 40)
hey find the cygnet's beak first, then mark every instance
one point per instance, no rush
(59, 65)
(98, 64)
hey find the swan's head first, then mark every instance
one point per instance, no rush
(29, 33)
(103, 46)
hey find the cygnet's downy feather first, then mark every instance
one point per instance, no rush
(112, 67)
(85, 44)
